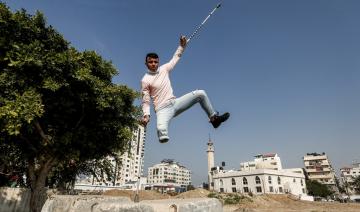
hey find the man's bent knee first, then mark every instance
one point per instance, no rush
(200, 93)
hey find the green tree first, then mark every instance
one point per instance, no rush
(58, 107)
(317, 189)
(341, 188)
(190, 187)
(356, 184)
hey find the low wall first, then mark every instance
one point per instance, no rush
(14, 199)
(185, 205)
(18, 199)
(98, 203)
(79, 203)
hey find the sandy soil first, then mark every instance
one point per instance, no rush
(261, 203)
(285, 203)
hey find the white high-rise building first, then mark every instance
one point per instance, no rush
(318, 167)
(348, 174)
(132, 162)
(128, 169)
(262, 161)
(169, 173)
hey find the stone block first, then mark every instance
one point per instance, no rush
(97, 203)
(78, 203)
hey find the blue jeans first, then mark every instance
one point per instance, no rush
(179, 105)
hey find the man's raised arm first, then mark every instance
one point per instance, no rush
(178, 53)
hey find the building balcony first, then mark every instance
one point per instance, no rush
(317, 177)
(318, 170)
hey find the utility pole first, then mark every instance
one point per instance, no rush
(136, 198)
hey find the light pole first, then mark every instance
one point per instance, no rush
(136, 198)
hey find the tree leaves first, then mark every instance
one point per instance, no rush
(317, 189)
(24, 108)
(57, 103)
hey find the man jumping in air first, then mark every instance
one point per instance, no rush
(156, 85)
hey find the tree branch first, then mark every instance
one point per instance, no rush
(31, 146)
(81, 118)
(5, 174)
(31, 172)
(45, 168)
(41, 132)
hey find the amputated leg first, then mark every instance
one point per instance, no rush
(163, 119)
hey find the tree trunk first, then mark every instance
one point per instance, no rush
(38, 198)
(37, 183)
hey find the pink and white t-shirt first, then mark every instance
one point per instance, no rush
(157, 85)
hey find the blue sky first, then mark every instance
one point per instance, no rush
(288, 71)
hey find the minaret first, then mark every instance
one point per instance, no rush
(210, 154)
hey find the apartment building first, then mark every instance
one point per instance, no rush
(262, 161)
(132, 162)
(318, 167)
(128, 169)
(169, 173)
(348, 174)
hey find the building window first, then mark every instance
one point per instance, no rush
(280, 190)
(269, 179)
(221, 189)
(271, 189)
(246, 190)
(303, 190)
(294, 180)
(258, 189)
(221, 182)
(233, 181)
(245, 182)
(279, 180)
(257, 180)
(233, 189)
(302, 183)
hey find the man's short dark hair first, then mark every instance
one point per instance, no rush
(151, 55)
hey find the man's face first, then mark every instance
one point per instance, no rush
(152, 63)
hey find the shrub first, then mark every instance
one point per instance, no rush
(214, 195)
(232, 199)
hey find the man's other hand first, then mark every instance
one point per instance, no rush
(145, 120)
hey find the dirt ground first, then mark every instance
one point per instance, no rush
(261, 203)
(285, 203)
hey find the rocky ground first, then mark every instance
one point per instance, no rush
(261, 203)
